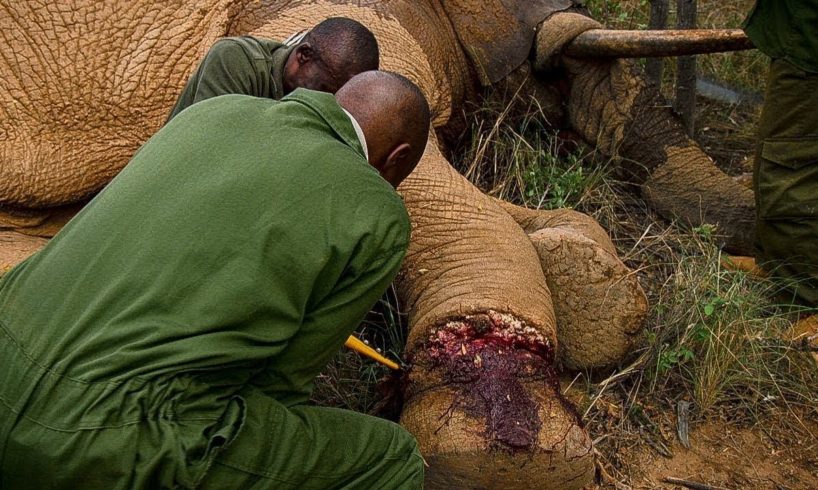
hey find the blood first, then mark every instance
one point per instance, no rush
(488, 358)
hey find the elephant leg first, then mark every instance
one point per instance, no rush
(482, 396)
(613, 108)
(84, 84)
(15, 248)
(37, 222)
(598, 302)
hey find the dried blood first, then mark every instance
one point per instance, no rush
(489, 358)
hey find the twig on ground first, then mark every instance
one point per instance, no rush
(690, 484)
(682, 422)
(607, 477)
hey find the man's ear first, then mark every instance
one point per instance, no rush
(304, 53)
(394, 167)
(397, 158)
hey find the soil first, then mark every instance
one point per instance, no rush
(723, 455)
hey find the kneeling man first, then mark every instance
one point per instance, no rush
(169, 335)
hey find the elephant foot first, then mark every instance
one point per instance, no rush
(483, 401)
(15, 248)
(598, 302)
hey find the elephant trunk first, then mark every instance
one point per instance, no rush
(482, 397)
(612, 106)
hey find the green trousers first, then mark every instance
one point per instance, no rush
(786, 178)
(309, 447)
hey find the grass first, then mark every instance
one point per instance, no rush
(515, 156)
(719, 338)
(744, 70)
(715, 340)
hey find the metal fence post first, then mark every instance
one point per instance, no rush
(685, 103)
(658, 20)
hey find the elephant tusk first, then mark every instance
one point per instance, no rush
(611, 43)
(353, 343)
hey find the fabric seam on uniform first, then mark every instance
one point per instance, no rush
(270, 476)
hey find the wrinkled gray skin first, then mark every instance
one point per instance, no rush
(73, 109)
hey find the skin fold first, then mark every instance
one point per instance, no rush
(498, 296)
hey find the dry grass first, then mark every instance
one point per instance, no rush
(745, 70)
(714, 339)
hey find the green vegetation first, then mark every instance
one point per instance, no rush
(745, 70)
(716, 339)
(720, 338)
(521, 160)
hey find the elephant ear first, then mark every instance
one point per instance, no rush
(497, 35)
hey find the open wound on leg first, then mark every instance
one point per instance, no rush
(491, 360)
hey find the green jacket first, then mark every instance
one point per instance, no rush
(237, 65)
(786, 29)
(124, 343)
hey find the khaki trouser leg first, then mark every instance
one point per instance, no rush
(786, 178)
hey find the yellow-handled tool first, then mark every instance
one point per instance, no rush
(363, 349)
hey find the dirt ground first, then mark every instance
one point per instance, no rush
(725, 456)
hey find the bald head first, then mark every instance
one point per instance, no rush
(395, 119)
(331, 53)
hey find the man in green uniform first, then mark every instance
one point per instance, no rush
(169, 335)
(322, 59)
(786, 167)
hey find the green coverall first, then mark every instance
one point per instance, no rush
(786, 164)
(169, 335)
(237, 65)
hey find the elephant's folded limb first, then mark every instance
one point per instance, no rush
(484, 402)
(598, 302)
(15, 248)
(615, 110)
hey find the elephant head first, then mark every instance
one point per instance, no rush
(73, 112)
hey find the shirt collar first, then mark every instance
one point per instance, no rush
(359, 132)
(279, 56)
(327, 107)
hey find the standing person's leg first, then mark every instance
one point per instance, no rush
(307, 447)
(786, 178)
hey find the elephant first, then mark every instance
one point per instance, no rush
(498, 295)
